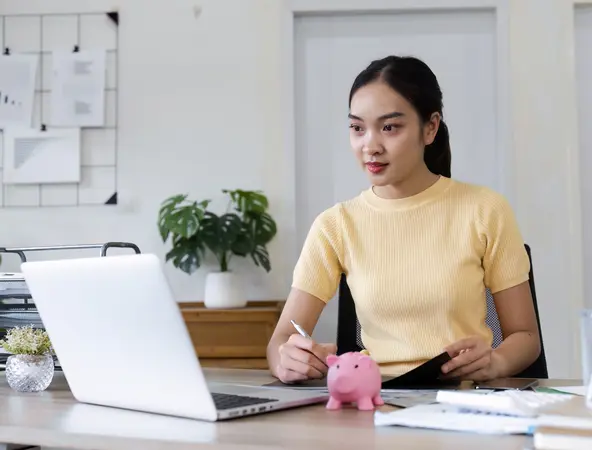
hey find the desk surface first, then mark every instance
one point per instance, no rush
(54, 419)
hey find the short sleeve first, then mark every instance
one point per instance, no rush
(505, 261)
(319, 266)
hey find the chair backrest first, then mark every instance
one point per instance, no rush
(349, 336)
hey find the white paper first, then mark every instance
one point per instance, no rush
(78, 88)
(453, 418)
(17, 89)
(35, 156)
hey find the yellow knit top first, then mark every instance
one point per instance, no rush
(417, 267)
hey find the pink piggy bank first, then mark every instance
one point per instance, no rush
(353, 377)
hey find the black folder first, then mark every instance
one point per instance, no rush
(426, 376)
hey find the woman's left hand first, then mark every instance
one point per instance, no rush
(472, 359)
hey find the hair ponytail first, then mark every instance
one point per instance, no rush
(437, 155)
(415, 81)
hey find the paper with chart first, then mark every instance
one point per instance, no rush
(78, 88)
(35, 156)
(17, 89)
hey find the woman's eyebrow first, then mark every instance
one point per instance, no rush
(351, 116)
(391, 115)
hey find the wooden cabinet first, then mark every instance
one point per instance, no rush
(233, 338)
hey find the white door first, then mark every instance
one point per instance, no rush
(330, 50)
(583, 44)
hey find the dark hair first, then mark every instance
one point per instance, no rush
(416, 82)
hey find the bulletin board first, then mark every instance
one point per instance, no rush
(41, 34)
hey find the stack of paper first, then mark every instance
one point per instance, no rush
(12, 285)
(568, 428)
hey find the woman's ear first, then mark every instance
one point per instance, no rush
(430, 128)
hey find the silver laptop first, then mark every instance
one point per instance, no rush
(121, 341)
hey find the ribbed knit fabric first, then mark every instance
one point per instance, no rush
(417, 267)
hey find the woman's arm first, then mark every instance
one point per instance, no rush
(473, 358)
(506, 268)
(521, 345)
(290, 356)
(315, 280)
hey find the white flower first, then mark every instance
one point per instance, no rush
(26, 340)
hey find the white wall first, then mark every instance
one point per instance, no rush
(546, 175)
(203, 108)
(199, 102)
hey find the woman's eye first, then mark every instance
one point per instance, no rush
(390, 127)
(356, 128)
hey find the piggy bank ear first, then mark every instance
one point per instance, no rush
(332, 360)
(365, 361)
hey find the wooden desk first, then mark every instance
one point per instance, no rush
(232, 338)
(54, 419)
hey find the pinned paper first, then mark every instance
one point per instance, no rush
(17, 89)
(36, 156)
(78, 88)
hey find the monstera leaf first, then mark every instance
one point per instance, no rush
(248, 201)
(178, 217)
(186, 253)
(261, 229)
(219, 233)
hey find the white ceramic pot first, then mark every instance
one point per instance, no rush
(224, 290)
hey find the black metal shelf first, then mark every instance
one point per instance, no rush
(23, 312)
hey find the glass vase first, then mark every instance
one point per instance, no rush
(29, 373)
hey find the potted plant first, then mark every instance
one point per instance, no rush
(243, 230)
(30, 367)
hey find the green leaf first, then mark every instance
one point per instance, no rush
(243, 244)
(184, 222)
(166, 208)
(248, 201)
(258, 230)
(220, 232)
(178, 217)
(172, 202)
(264, 228)
(260, 257)
(186, 254)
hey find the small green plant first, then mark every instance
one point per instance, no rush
(26, 340)
(243, 230)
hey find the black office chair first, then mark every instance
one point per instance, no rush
(349, 333)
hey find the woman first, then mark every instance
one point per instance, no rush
(418, 248)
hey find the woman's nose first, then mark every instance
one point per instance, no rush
(372, 145)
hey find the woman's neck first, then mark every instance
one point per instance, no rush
(408, 187)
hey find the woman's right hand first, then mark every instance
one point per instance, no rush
(302, 358)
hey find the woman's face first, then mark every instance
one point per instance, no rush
(386, 134)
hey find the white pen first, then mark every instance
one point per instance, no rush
(305, 335)
(300, 330)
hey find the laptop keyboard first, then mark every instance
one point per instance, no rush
(229, 401)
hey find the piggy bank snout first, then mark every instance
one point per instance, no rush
(344, 383)
(348, 379)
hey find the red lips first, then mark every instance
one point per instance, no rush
(375, 167)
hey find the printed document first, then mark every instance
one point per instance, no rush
(17, 89)
(35, 156)
(78, 88)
